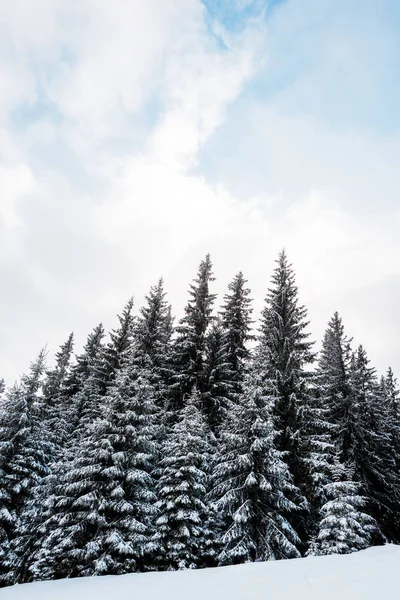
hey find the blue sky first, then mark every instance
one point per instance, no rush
(135, 137)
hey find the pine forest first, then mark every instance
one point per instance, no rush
(211, 441)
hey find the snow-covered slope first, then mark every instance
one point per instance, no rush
(373, 574)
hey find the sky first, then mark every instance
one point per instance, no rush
(136, 136)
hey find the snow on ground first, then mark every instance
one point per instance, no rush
(372, 574)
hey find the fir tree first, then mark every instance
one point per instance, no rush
(236, 320)
(153, 328)
(372, 450)
(104, 503)
(344, 527)
(283, 357)
(152, 334)
(253, 484)
(56, 401)
(87, 362)
(190, 343)
(85, 385)
(219, 381)
(183, 526)
(25, 453)
(109, 361)
(340, 506)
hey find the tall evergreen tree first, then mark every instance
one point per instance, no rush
(373, 451)
(344, 527)
(236, 319)
(110, 359)
(104, 503)
(253, 484)
(154, 326)
(56, 401)
(152, 333)
(183, 526)
(340, 523)
(283, 356)
(87, 362)
(219, 381)
(25, 452)
(190, 343)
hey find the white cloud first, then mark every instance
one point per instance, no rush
(107, 183)
(15, 181)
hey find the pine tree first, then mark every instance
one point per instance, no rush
(85, 385)
(373, 451)
(152, 333)
(253, 484)
(154, 326)
(330, 402)
(104, 503)
(109, 361)
(56, 401)
(344, 526)
(25, 452)
(190, 343)
(283, 357)
(341, 524)
(183, 526)
(218, 383)
(236, 318)
(86, 362)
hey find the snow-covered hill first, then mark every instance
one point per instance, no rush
(372, 574)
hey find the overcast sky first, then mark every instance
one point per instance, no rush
(137, 135)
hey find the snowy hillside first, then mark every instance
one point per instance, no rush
(371, 574)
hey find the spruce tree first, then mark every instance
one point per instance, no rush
(154, 326)
(344, 527)
(190, 343)
(219, 381)
(25, 452)
(109, 361)
(236, 319)
(284, 355)
(373, 451)
(339, 508)
(253, 485)
(152, 333)
(104, 503)
(183, 533)
(56, 401)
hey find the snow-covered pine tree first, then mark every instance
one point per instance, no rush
(56, 401)
(109, 361)
(344, 527)
(390, 418)
(373, 452)
(390, 397)
(85, 402)
(252, 483)
(25, 452)
(183, 528)
(236, 319)
(340, 525)
(189, 345)
(154, 326)
(85, 386)
(284, 354)
(330, 400)
(152, 334)
(105, 503)
(218, 384)
(85, 362)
